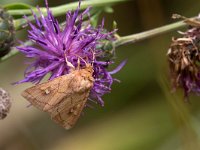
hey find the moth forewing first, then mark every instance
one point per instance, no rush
(70, 102)
(64, 97)
(67, 116)
(67, 112)
(44, 96)
(62, 91)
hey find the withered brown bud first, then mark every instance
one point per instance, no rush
(5, 103)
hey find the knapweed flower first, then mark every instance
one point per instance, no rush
(184, 59)
(54, 44)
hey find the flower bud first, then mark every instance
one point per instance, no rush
(6, 32)
(5, 103)
(107, 49)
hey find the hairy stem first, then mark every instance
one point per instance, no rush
(148, 34)
(60, 10)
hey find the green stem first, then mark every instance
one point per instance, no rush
(19, 23)
(60, 10)
(148, 34)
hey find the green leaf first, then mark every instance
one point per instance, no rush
(14, 6)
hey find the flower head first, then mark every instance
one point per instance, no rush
(54, 44)
(5, 103)
(7, 32)
(184, 59)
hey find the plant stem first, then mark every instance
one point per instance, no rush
(19, 23)
(147, 34)
(60, 10)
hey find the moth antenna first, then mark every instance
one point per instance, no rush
(79, 63)
(93, 57)
(69, 64)
(87, 61)
(81, 59)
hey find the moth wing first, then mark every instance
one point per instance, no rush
(46, 95)
(67, 113)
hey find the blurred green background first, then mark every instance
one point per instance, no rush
(139, 114)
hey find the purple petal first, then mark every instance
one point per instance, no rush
(121, 65)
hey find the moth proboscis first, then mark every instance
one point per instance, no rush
(63, 97)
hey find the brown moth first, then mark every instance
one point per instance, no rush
(63, 97)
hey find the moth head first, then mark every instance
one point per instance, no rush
(89, 68)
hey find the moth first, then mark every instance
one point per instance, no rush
(63, 97)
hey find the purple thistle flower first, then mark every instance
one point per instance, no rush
(54, 44)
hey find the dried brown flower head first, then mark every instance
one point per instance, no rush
(184, 58)
(5, 103)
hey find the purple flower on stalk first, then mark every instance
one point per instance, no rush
(54, 44)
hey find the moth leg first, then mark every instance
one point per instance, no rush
(78, 64)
